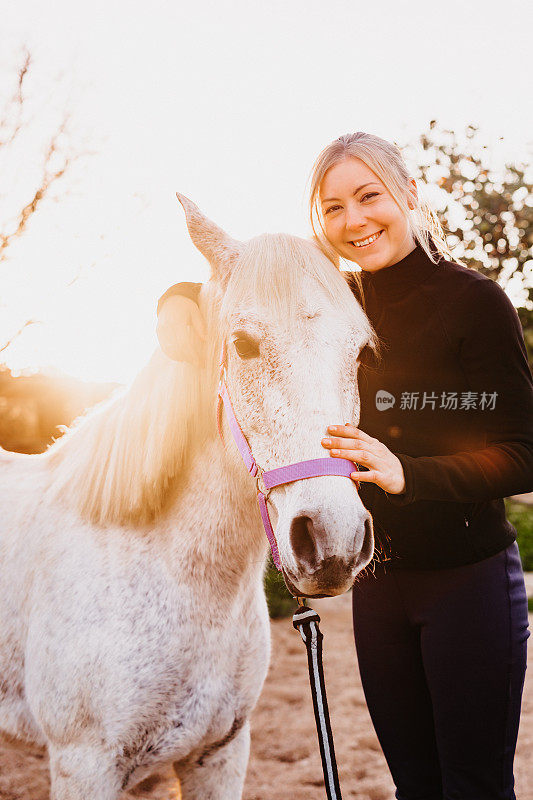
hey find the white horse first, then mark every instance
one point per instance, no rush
(133, 625)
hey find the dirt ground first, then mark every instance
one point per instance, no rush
(285, 761)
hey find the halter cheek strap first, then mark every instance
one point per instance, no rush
(301, 470)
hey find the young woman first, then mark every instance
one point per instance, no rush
(446, 432)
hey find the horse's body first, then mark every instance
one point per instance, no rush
(133, 623)
(131, 648)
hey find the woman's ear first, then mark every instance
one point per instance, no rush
(412, 196)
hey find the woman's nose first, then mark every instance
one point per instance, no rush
(355, 218)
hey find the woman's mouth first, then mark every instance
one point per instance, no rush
(366, 242)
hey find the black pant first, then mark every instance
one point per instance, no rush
(442, 656)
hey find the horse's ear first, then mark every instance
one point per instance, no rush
(220, 249)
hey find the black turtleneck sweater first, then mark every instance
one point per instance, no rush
(452, 397)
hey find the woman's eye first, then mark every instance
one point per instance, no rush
(246, 348)
(330, 209)
(368, 196)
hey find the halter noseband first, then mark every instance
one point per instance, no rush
(316, 467)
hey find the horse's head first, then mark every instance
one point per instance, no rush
(294, 334)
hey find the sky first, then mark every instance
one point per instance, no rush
(228, 103)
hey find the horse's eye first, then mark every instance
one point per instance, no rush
(245, 347)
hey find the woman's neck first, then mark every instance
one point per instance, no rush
(402, 276)
(404, 251)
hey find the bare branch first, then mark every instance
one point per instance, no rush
(49, 177)
(56, 160)
(9, 129)
(80, 274)
(17, 334)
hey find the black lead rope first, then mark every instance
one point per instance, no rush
(306, 621)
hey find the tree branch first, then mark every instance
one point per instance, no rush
(49, 177)
(13, 107)
(17, 334)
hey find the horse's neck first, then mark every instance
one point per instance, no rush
(215, 518)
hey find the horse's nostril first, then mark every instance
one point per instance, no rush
(368, 542)
(303, 540)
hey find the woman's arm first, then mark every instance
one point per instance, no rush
(180, 325)
(190, 290)
(493, 357)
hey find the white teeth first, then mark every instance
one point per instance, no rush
(364, 242)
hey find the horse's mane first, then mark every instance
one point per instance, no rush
(116, 463)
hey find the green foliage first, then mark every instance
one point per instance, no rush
(486, 209)
(521, 516)
(280, 602)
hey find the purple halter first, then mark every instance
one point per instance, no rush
(314, 468)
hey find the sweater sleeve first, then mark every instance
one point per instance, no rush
(494, 359)
(190, 290)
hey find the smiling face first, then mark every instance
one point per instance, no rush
(361, 218)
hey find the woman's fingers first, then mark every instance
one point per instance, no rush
(361, 456)
(371, 476)
(383, 467)
(349, 431)
(343, 444)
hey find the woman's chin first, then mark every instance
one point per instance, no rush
(371, 259)
(372, 262)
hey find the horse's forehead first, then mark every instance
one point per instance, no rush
(267, 317)
(271, 323)
(311, 316)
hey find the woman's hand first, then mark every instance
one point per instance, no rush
(384, 468)
(181, 330)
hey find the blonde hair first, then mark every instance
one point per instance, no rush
(386, 161)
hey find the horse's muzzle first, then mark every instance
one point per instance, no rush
(323, 577)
